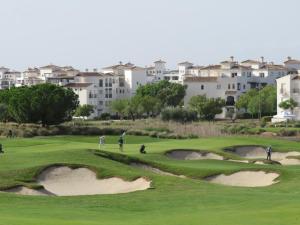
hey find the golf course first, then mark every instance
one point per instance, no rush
(68, 180)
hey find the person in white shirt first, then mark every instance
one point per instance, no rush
(101, 141)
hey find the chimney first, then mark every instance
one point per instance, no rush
(262, 59)
(95, 70)
(232, 58)
(86, 70)
(289, 58)
(120, 62)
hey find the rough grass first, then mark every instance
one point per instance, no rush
(172, 201)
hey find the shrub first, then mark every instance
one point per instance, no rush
(285, 132)
(178, 115)
(103, 116)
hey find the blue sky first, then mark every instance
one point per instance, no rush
(97, 33)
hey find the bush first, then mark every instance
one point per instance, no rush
(236, 129)
(178, 115)
(284, 132)
(103, 116)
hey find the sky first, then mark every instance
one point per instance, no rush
(98, 33)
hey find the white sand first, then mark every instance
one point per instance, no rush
(192, 155)
(155, 170)
(253, 152)
(64, 181)
(21, 190)
(245, 179)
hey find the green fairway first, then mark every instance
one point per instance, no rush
(170, 201)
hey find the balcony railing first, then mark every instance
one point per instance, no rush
(296, 90)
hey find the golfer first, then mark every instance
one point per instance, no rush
(123, 136)
(101, 141)
(142, 149)
(269, 153)
(121, 143)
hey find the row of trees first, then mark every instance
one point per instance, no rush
(44, 103)
(150, 99)
(258, 102)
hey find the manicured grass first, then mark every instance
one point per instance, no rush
(171, 201)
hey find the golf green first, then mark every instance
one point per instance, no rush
(171, 200)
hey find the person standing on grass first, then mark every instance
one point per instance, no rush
(121, 143)
(269, 153)
(1, 150)
(123, 136)
(101, 141)
(142, 149)
(10, 134)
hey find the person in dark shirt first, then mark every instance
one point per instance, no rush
(1, 149)
(142, 149)
(269, 153)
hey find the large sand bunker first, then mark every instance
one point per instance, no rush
(245, 179)
(257, 152)
(192, 155)
(64, 181)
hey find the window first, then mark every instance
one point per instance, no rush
(233, 74)
(100, 83)
(244, 86)
(219, 86)
(228, 86)
(202, 87)
(262, 75)
(239, 86)
(100, 102)
(233, 86)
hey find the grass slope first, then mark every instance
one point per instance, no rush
(172, 200)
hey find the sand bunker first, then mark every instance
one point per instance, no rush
(155, 170)
(256, 152)
(64, 181)
(245, 179)
(192, 155)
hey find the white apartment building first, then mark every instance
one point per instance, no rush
(288, 87)
(8, 78)
(230, 79)
(101, 88)
(156, 72)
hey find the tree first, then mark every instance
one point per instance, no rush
(243, 101)
(169, 94)
(258, 101)
(288, 104)
(4, 115)
(53, 104)
(134, 108)
(119, 106)
(150, 105)
(44, 103)
(207, 108)
(84, 110)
